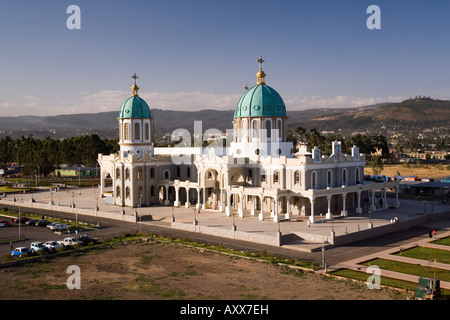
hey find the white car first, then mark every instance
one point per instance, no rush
(53, 245)
(51, 225)
(38, 246)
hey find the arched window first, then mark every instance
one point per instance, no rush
(255, 131)
(357, 176)
(314, 180)
(152, 173)
(166, 175)
(178, 172)
(263, 175)
(137, 131)
(244, 130)
(117, 173)
(127, 192)
(118, 192)
(269, 129)
(279, 128)
(188, 172)
(126, 131)
(344, 177)
(297, 177)
(147, 131)
(139, 174)
(329, 178)
(127, 173)
(152, 191)
(276, 176)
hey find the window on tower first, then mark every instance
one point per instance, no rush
(137, 131)
(147, 131)
(126, 131)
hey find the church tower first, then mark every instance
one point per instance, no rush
(260, 122)
(135, 125)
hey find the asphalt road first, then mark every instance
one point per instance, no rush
(111, 228)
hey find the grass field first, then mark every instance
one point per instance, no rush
(421, 171)
(409, 268)
(443, 241)
(428, 254)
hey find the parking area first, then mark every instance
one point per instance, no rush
(32, 233)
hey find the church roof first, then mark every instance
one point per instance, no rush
(260, 100)
(134, 106)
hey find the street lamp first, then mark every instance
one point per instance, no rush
(323, 246)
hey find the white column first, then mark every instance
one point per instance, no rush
(261, 215)
(197, 206)
(288, 208)
(228, 207)
(397, 202)
(102, 185)
(221, 201)
(253, 211)
(276, 217)
(177, 197)
(359, 209)
(385, 204)
(372, 199)
(187, 198)
(312, 218)
(344, 212)
(328, 215)
(167, 202)
(241, 205)
(204, 199)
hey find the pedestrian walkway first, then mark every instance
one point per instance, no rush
(389, 254)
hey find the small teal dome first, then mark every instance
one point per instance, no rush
(260, 101)
(135, 107)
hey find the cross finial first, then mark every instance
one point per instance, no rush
(134, 77)
(261, 61)
(134, 88)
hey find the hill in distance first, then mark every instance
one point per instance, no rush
(410, 114)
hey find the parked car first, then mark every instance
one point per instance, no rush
(53, 245)
(20, 251)
(87, 239)
(50, 225)
(42, 223)
(70, 241)
(60, 227)
(21, 219)
(38, 246)
(32, 222)
(5, 223)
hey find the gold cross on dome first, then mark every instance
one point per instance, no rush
(261, 61)
(134, 77)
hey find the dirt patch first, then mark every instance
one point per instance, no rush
(164, 271)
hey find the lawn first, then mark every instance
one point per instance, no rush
(443, 241)
(409, 268)
(428, 254)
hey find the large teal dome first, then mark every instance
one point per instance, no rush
(260, 101)
(134, 107)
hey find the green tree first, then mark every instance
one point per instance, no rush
(376, 164)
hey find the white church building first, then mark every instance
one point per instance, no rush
(257, 172)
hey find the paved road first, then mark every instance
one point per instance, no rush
(333, 256)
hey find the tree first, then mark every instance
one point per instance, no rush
(376, 164)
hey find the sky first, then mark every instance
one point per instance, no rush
(200, 54)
